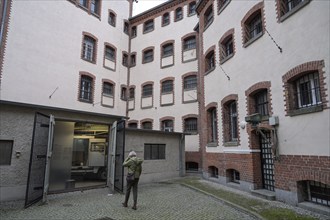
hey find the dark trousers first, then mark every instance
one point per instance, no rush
(132, 184)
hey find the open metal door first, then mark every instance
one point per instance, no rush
(116, 157)
(41, 144)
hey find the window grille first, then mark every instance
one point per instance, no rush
(190, 82)
(107, 88)
(167, 86)
(319, 193)
(147, 125)
(154, 151)
(86, 88)
(189, 43)
(6, 150)
(147, 90)
(88, 48)
(148, 56)
(233, 121)
(261, 103)
(229, 48)
(308, 91)
(190, 125)
(167, 50)
(110, 53)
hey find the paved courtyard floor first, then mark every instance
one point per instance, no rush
(155, 201)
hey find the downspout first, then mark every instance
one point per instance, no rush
(3, 19)
(129, 57)
(182, 166)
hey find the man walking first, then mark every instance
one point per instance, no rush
(134, 165)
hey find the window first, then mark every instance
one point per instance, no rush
(95, 6)
(208, 17)
(125, 59)
(107, 89)
(147, 125)
(305, 88)
(132, 125)
(131, 93)
(318, 193)
(190, 125)
(167, 125)
(226, 45)
(147, 90)
(252, 24)
(123, 93)
(233, 121)
(110, 53)
(190, 82)
(209, 61)
(83, 3)
(148, 56)
(213, 171)
(178, 14)
(167, 50)
(212, 125)
(166, 19)
(6, 150)
(307, 91)
(133, 59)
(261, 102)
(191, 166)
(126, 27)
(192, 8)
(222, 4)
(112, 19)
(148, 26)
(154, 151)
(86, 88)
(134, 31)
(233, 175)
(285, 8)
(167, 86)
(89, 49)
(189, 43)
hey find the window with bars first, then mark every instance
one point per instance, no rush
(134, 31)
(154, 151)
(226, 48)
(167, 86)
(125, 60)
(107, 89)
(86, 88)
(212, 125)
(167, 50)
(261, 103)
(190, 82)
(166, 19)
(178, 14)
(110, 53)
(222, 4)
(287, 7)
(192, 8)
(233, 135)
(148, 26)
(112, 19)
(147, 90)
(132, 93)
(95, 6)
(254, 27)
(307, 92)
(190, 125)
(88, 49)
(148, 56)
(189, 43)
(318, 193)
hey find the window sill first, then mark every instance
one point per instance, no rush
(178, 19)
(147, 61)
(231, 144)
(166, 24)
(89, 61)
(209, 71)
(86, 101)
(253, 39)
(294, 10)
(223, 7)
(223, 60)
(147, 31)
(212, 144)
(307, 110)
(191, 14)
(208, 25)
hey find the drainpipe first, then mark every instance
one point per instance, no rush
(182, 156)
(3, 19)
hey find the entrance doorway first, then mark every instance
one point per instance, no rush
(267, 163)
(79, 158)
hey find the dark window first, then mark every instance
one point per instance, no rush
(123, 94)
(88, 48)
(134, 31)
(83, 3)
(167, 125)
(95, 6)
(132, 93)
(148, 25)
(261, 103)
(208, 16)
(133, 60)
(125, 60)
(222, 4)
(228, 46)
(167, 50)
(147, 125)
(154, 151)
(167, 86)
(125, 27)
(190, 82)
(107, 89)
(213, 125)
(166, 19)
(233, 121)
(213, 171)
(287, 6)
(254, 27)
(189, 43)
(192, 8)
(178, 14)
(132, 125)
(190, 125)
(112, 19)
(147, 90)
(209, 61)
(6, 150)
(110, 53)
(86, 88)
(148, 56)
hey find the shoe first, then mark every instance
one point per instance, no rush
(134, 207)
(124, 204)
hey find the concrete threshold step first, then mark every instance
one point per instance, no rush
(263, 193)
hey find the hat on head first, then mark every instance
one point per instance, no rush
(132, 154)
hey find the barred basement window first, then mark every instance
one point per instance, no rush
(6, 150)
(148, 56)
(154, 151)
(213, 171)
(318, 193)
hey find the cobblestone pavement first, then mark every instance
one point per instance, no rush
(155, 201)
